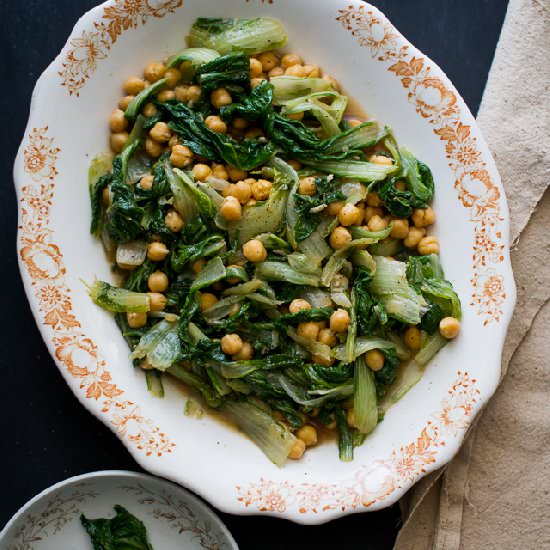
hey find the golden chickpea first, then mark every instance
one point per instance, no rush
(106, 197)
(449, 327)
(236, 174)
(295, 70)
(166, 95)
(374, 359)
(307, 186)
(149, 110)
(308, 330)
(157, 281)
(413, 338)
(133, 85)
(216, 124)
(414, 237)
(160, 132)
(296, 164)
(327, 337)
(381, 160)
(220, 98)
(339, 238)
(339, 320)
(231, 344)
(173, 221)
(240, 123)
(400, 228)
(154, 71)
(320, 360)
(181, 156)
(334, 208)
(291, 59)
(373, 199)
(256, 82)
(253, 133)
(348, 215)
(312, 71)
(231, 209)
(242, 191)
(219, 171)
(174, 141)
(172, 76)
(277, 71)
(354, 122)
(117, 121)
(298, 450)
(158, 301)
(371, 211)
(246, 353)
(136, 319)
(207, 300)
(194, 93)
(268, 60)
(254, 251)
(256, 68)
(182, 93)
(333, 82)
(118, 141)
(308, 434)
(156, 252)
(298, 305)
(350, 417)
(125, 101)
(201, 172)
(376, 223)
(153, 148)
(296, 116)
(423, 217)
(197, 265)
(428, 245)
(261, 189)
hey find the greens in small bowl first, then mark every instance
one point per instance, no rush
(273, 251)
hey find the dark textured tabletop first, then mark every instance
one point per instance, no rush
(45, 435)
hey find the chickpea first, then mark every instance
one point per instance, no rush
(298, 305)
(117, 121)
(353, 122)
(381, 160)
(166, 95)
(308, 434)
(201, 172)
(277, 71)
(149, 110)
(216, 124)
(291, 59)
(174, 141)
(261, 189)
(254, 251)
(423, 217)
(182, 93)
(339, 320)
(125, 101)
(153, 148)
(374, 359)
(371, 211)
(194, 93)
(106, 197)
(376, 223)
(236, 174)
(373, 199)
(297, 450)
(118, 141)
(133, 85)
(231, 209)
(312, 71)
(428, 245)
(231, 344)
(256, 68)
(400, 228)
(136, 319)
(449, 327)
(158, 301)
(197, 265)
(246, 353)
(256, 82)
(251, 202)
(321, 360)
(339, 238)
(350, 417)
(240, 123)
(348, 215)
(160, 132)
(181, 156)
(207, 300)
(240, 190)
(327, 337)
(219, 171)
(172, 76)
(296, 116)
(308, 330)
(157, 281)
(307, 186)
(414, 237)
(333, 82)
(335, 207)
(401, 185)
(296, 164)
(173, 221)
(413, 338)
(154, 71)
(156, 252)
(268, 60)
(253, 133)
(295, 70)
(220, 97)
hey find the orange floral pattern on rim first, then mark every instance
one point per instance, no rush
(90, 47)
(73, 349)
(438, 104)
(376, 481)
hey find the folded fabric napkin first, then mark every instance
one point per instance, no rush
(495, 494)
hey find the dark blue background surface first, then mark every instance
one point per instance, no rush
(45, 434)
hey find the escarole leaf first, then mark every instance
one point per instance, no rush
(361, 346)
(280, 271)
(431, 344)
(364, 398)
(418, 175)
(314, 347)
(356, 169)
(230, 71)
(195, 56)
(134, 108)
(99, 178)
(290, 88)
(116, 299)
(213, 271)
(160, 345)
(202, 200)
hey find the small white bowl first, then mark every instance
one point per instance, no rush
(397, 85)
(173, 517)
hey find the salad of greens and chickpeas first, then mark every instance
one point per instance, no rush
(273, 252)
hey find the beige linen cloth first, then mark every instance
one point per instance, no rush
(495, 494)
